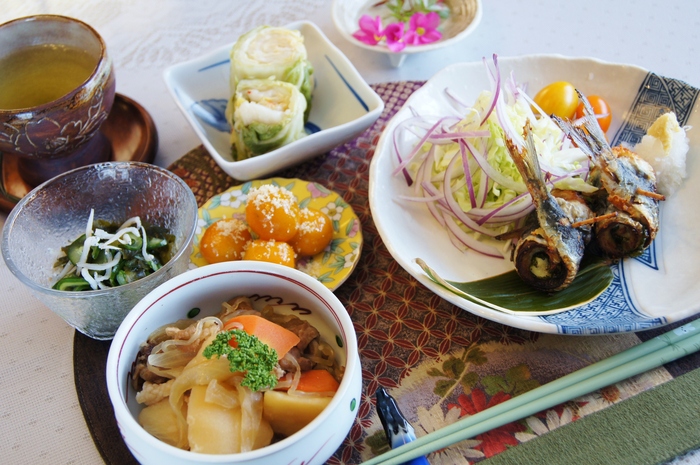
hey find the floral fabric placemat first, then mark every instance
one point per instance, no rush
(438, 361)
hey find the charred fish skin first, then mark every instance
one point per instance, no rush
(622, 175)
(547, 257)
(576, 209)
(637, 220)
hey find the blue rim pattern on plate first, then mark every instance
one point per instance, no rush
(656, 96)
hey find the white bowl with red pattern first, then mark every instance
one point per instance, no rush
(206, 288)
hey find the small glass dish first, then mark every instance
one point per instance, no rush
(56, 213)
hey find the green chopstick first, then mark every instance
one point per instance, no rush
(662, 349)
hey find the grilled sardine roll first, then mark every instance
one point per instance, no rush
(548, 256)
(576, 209)
(630, 184)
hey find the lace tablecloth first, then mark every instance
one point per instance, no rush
(40, 415)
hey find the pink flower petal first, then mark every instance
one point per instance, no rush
(431, 36)
(371, 25)
(423, 29)
(371, 31)
(432, 21)
(394, 34)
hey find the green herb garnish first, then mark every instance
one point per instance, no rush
(246, 354)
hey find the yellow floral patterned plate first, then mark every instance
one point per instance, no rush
(332, 266)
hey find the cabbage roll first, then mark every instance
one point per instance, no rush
(265, 114)
(272, 52)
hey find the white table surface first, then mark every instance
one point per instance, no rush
(40, 418)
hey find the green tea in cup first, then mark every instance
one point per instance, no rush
(57, 87)
(39, 74)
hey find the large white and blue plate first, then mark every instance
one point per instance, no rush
(655, 289)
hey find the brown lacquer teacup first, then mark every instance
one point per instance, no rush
(57, 87)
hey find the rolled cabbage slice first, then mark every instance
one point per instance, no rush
(265, 114)
(272, 52)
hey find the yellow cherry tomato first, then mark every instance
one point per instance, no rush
(224, 240)
(314, 234)
(270, 251)
(272, 212)
(558, 98)
(601, 109)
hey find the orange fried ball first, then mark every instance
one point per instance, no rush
(224, 240)
(272, 213)
(314, 233)
(270, 251)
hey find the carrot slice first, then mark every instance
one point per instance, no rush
(317, 381)
(279, 338)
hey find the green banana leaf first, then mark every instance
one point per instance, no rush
(509, 294)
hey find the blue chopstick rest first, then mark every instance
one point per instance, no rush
(397, 429)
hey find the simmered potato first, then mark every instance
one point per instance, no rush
(211, 428)
(159, 420)
(214, 429)
(288, 414)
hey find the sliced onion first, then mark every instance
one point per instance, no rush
(437, 191)
(456, 100)
(89, 242)
(170, 354)
(416, 149)
(456, 136)
(469, 240)
(467, 174)
(219, 395)
(432, 207)
(504, 214)
(454, 207)
(496, 89)
(296, 375)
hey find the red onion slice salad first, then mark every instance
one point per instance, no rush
(459, 166)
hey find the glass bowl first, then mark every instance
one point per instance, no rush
(56, 213)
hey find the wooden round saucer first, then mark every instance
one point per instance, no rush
(129, 128)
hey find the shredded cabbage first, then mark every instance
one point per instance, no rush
(466, 173)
